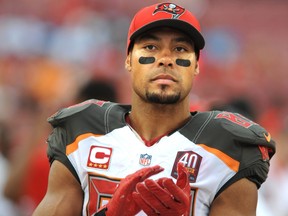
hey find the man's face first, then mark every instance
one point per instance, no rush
(162, 64)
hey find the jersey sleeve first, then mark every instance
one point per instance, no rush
(57, 149)
(70, 122)
(243, 140)
(92, 116)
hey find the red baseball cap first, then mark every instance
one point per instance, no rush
(165, 15)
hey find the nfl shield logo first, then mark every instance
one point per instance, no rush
(145, 159)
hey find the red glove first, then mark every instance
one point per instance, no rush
(122, 203)
(164, 197)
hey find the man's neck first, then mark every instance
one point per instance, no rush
(154, 120)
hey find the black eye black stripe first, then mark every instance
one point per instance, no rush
(183, 62)
(150, 60)
(146, 60)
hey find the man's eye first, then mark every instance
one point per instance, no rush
(180, 49)
(150, 47)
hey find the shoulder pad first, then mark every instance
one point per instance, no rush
(56, 118)
(243, 129)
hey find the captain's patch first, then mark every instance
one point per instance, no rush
(99, 157)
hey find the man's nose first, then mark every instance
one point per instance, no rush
(165, 58)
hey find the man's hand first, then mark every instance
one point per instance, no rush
(122, 203)
(163, 196)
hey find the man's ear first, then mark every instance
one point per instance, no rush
(197, 69)
(128, 62)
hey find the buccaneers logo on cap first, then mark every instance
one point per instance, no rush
(173, 9)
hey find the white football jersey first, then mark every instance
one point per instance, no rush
(217, 148)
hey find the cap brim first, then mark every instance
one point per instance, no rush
(180, 25)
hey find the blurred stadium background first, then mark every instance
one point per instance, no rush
(51, 49)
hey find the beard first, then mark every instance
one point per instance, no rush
(162, 98)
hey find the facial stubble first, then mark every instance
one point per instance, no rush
(162, 97)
